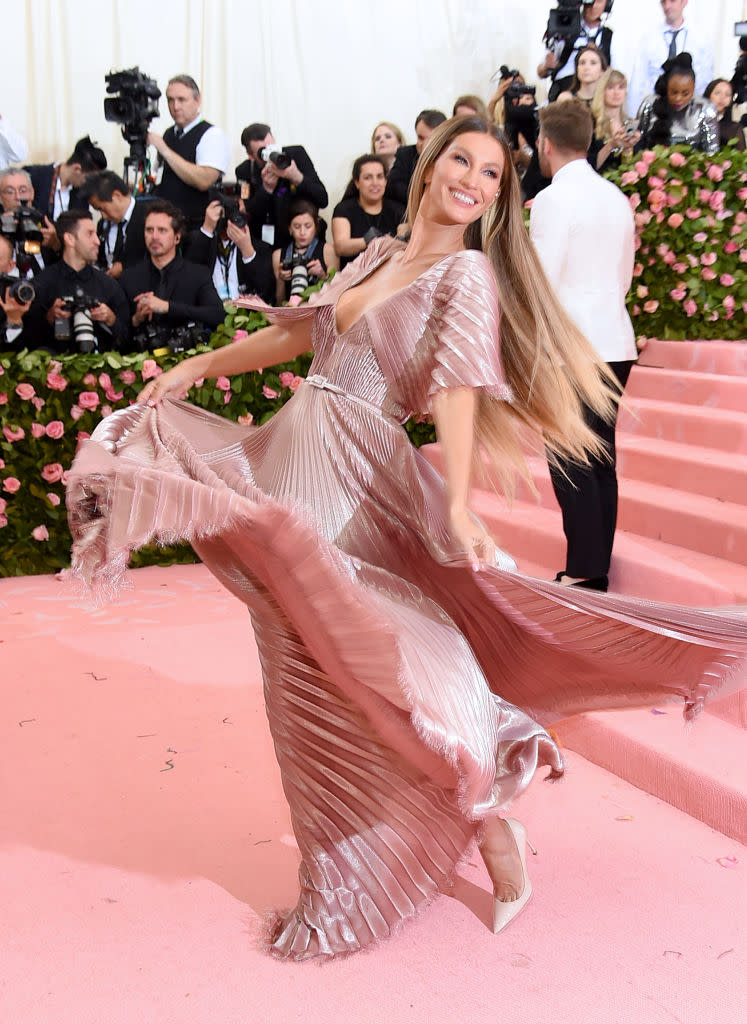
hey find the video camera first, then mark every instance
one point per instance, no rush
(22, 227)
(273, 154)
(564, 22)
(79, 327)
(228, 194)
(16, 288)
(149, 337)
(134, 106)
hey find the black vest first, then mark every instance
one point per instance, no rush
(191, 201)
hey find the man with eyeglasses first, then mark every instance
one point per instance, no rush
(16, 188)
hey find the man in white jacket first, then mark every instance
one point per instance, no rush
(583, 229)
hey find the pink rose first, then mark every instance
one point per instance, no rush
(223, 384)
(707, 274)
(726, 280)
(296, 383)
(3, 521)
(53, 499)
(678, 294)
(700, 237)
(741, 218)
(40, 533)
(729, 303)
(55, 429)
(677, 160)
(201, 380)
(655, 182)
(656, 197)
(76, 412)
(88, 399)
(630, 178)
(716, 202)
(637, 242)
(82, 435)
(641, 168)
(697, 174)
(106, 410)
(227, 396)
(3, 398)
(14, 435)
(651, 306)
(659, 217)
(3, 504)
(89, 380)
(151, 369)
(268, 392)
(679, 267)
(286, 378)
(636, 310)
(105, 380)
(730, 247)
(37, 430)
(11, 484)
(239, 335)
(713, 317)
(742, 194)
(634, 200)
(128, 376)
(648, 156)
(714, 172)
(2, 463)
(704, 194)
(642, 291)
(692, 213)
(55, 382)
(114, 396)
(690, 307)
(743, 255)
(669, 257)
(52, 472)
(38, 403)
(637, 270)
(245, 421)
(643, 218)
(675, 220)
(708, 259)
(25, 392)
(692, 260)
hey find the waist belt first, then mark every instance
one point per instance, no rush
(316, 380)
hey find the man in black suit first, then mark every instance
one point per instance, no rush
(121, 229)
(12, 311)
(59, 187)
(240, 263)
(165, 290)
(275, 183)
(16, 188)
(403, 168)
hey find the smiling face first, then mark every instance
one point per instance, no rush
(680, 90)
(464, 180)
(371, 182)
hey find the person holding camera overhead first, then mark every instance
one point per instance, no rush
(168, 294)
(194, 152)
(307, 259)
(239, 261)
(276, 175)
(77, 307)
(364, 213)
(562, 47)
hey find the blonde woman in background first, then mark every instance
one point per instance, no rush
(614, 132)
(385, 141)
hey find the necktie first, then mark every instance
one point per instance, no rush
(178, 132)
(673, 43)
(119, 241)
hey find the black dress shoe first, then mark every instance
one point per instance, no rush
(596, 583)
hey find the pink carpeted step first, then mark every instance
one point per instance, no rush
(685, 467)
(724, 429)
(698, 769)
(713, 390)
(728, 357)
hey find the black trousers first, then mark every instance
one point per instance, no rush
(588, 498)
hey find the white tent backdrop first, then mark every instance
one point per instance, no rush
(322, 73)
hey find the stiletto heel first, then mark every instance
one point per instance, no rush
(505, 911)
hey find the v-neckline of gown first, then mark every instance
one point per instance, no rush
(399, 291)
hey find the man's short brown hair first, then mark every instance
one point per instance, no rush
(568, 124)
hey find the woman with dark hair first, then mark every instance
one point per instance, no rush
(307, 259)
(410, 669)
(673, 115)
(590, 63)
(720, 94)
(364, 213)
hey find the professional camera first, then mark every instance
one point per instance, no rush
(149, 337)
(79, 327)
(298, 265)
(228, 194)
(16, 288)
(23, 227)
(134, 106)
(273, 154)
(564, 22)
(520, 118)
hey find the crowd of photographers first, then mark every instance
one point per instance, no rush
(91, 261)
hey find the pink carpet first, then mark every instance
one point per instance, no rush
(145, 834)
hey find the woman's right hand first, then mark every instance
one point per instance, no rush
(175, 383)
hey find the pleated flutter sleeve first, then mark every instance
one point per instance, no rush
(467, 328)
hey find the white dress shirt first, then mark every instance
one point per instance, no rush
(213, 149)
(13, 147)
(653, 50)
(583, 229)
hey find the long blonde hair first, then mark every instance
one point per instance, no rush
(602, 126)
(549, 365)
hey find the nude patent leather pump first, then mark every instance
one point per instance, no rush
(505, 912)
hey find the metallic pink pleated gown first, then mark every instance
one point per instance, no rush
(407, 695)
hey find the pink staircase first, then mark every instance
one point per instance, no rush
(682, 538)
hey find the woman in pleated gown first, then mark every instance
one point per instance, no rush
(410, 671)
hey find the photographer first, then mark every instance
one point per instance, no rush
(194, 153)
(121, 229)
(13, 293)
(77, 307)
(277, 175)
(559, 62)
(307, 258)
(403, 168)
(166, 292)
(240, 263)
(59, 187)
(33, 238)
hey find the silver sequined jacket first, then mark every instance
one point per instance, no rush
(696, 125)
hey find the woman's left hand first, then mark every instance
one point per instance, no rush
(478, 546)
(315, 268)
